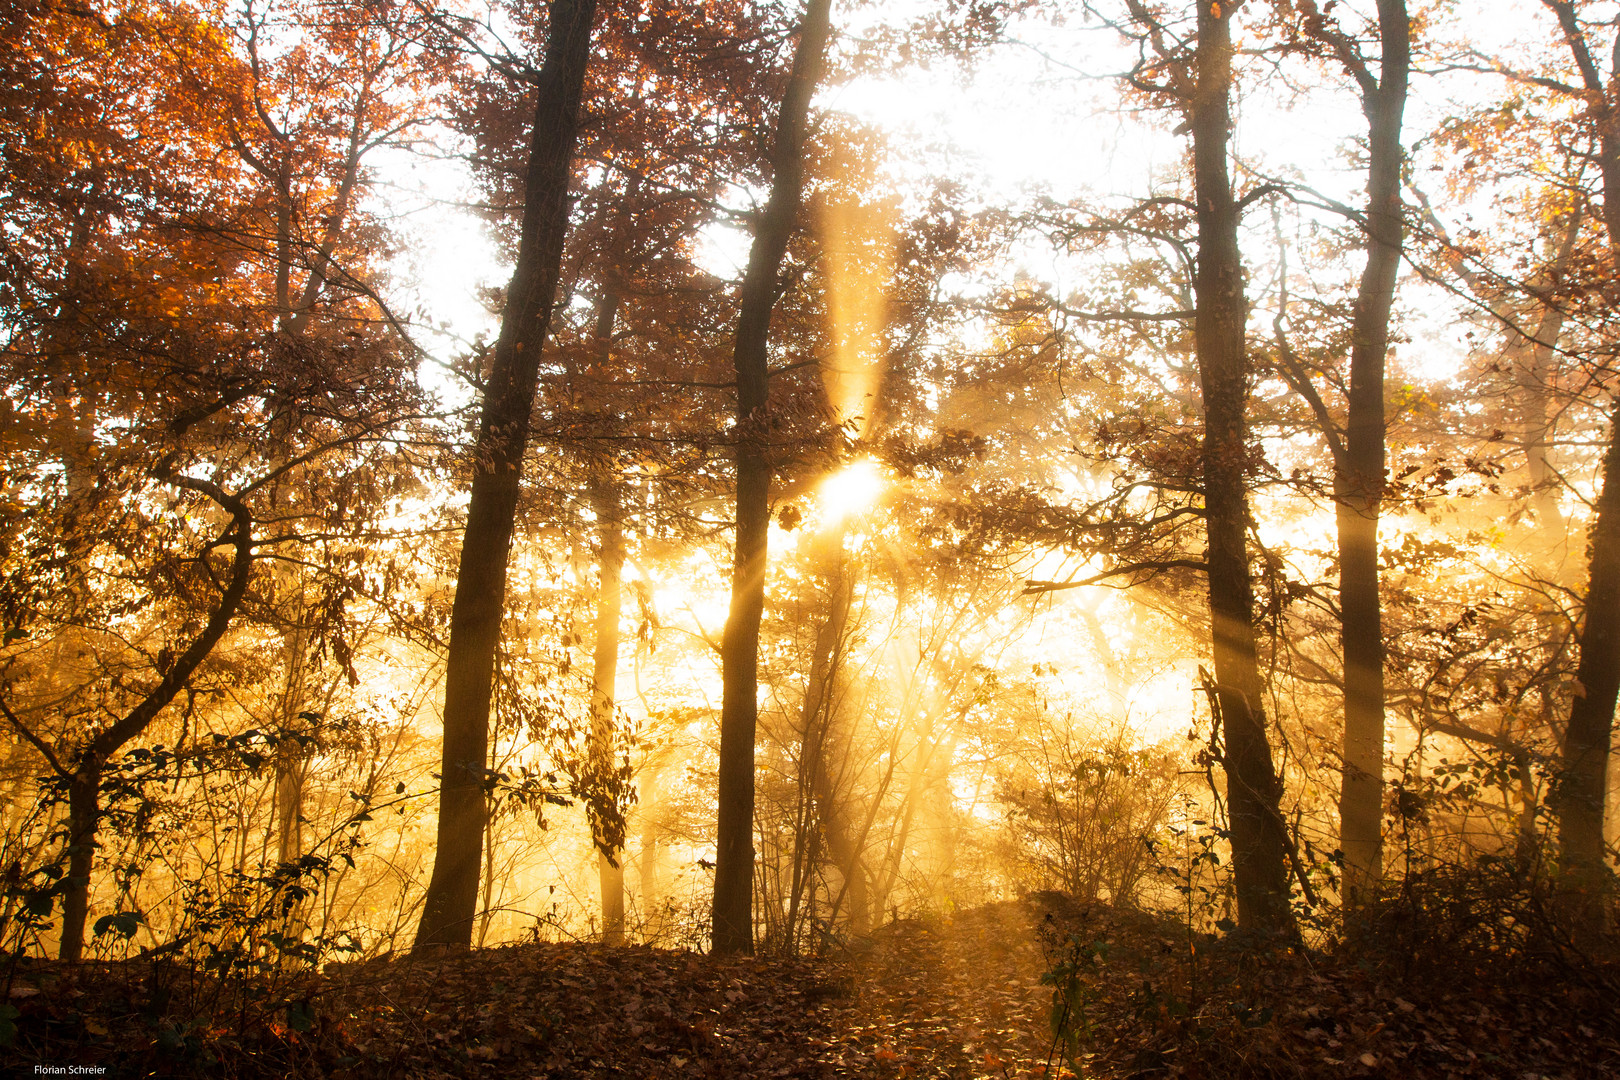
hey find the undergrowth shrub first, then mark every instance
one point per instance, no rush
(1077, 811)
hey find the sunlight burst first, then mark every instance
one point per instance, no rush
(850, 491)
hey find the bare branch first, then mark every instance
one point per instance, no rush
(1035, 588)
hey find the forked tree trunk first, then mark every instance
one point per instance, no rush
(733, 926)
(1359, 485)
(825, 748)
(475, 618)
(1253, 788)
(84, 776)
(834, 749)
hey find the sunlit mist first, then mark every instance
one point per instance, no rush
(852, 490)
(859, 240)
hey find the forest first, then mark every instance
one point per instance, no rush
(771, 538)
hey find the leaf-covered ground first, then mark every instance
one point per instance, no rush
(957, 998)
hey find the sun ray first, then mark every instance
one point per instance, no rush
(850, 491)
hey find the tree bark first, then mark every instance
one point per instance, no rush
(649, 864)
(292, 767)
(823, 748)
(1579, 797)
(475, 619)
(292, 756)
(1359, 483)
(733, 930)
(1253, 788)
(607, 503)
(84, 817)
(828, 758)
(1533, 372)
(605, 665)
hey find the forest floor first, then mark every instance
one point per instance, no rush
(959, 998)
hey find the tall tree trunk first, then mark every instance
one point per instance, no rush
(1579, 798)
(486, 903)
(1359, 484)
(606, 502)
(1534, 373)
(649, 863)
(1581, 793)
(832, 752)
(475, 618)
(733, 928)
(292, 769)
(1253, 788)
(1537, 424)
(833, 746)
(292, 773)
(84, 819)
(824, 749)
(292, 756)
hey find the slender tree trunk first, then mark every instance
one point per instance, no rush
(607, 502)
(1253, 788)
(923, 777)
(1531, 357)
(1533, 382)
(292, 757)
(828, 757)
(733, 928)
(475, 618)
(292, 771)
(1527, 843)
(486, 905)
(806, 850)
(1534, 374)
(822, 751)
(834, 813)
(649, 863)
(1359, 486)
(605, 665)
(283, 181)
(873, 890)
(292, 765)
